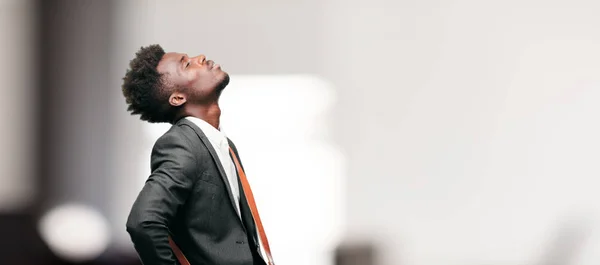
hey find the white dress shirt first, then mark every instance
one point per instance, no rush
(219, 142)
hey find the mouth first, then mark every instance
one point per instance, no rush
(211, 64)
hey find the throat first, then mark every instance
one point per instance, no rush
(209, 113)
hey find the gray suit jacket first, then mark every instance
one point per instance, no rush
(188, 197)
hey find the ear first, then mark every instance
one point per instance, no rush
(177, 99)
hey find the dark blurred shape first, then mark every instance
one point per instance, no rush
(72, 42)
(21, 243)
(356, 254)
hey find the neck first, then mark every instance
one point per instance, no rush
(210, 113)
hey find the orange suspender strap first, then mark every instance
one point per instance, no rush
(180, 257)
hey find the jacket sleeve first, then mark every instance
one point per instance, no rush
(174, 170)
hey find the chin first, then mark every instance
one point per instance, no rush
(224, 82)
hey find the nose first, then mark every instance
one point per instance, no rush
(200, 59)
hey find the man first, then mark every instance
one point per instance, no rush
(196, 207)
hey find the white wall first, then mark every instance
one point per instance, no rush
(470, 126)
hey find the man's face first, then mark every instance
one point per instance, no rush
(201, 79)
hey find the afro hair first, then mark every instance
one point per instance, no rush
(144, 88)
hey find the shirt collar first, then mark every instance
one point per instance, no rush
(213, 134)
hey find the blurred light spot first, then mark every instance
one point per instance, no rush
(75, 232)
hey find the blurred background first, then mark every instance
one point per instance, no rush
(414, 132)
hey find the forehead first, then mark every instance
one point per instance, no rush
(169, 62)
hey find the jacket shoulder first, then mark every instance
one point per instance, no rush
(177, 133)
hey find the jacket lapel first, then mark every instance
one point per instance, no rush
(216, 160)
